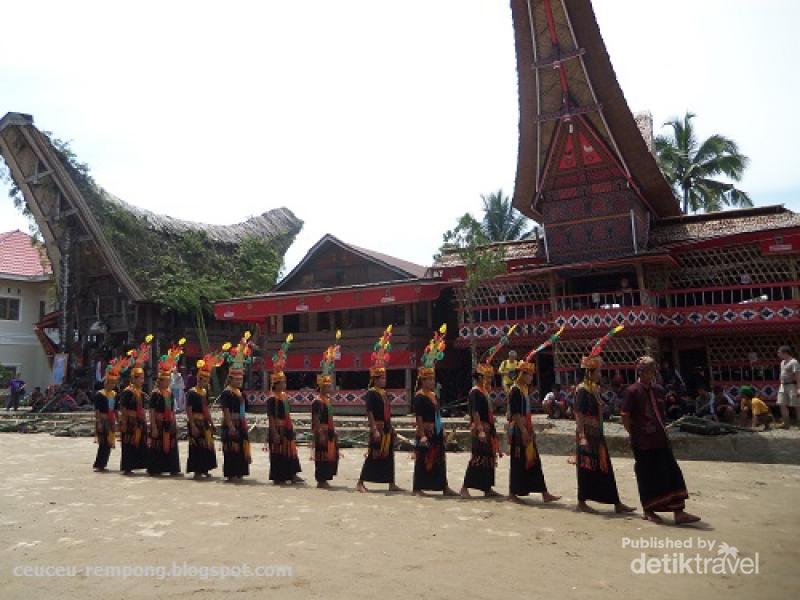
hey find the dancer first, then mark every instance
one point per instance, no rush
(284, 464)
(379, 462)
(658, 476)
(202, 455)
(480, 473)
(132, 423)
(163, 426)
(235, 436)
(593, 464)
(325, 448)
(526, 474)
(430, 466)
(105, 412)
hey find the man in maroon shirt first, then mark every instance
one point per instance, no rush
(660, 480)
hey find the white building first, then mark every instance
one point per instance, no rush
(26, 284)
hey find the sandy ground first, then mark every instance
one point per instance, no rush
(54, 511)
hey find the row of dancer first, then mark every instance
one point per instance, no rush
(660, 481)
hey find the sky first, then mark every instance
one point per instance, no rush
(378, 122)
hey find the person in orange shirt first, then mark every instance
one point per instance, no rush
(754, 409)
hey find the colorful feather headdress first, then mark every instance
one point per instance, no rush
(117, 367)
(169, 361)
(141, 355)
(434, 352)
(485, 367)
(240, 355)
(279, 360)
(211, 361)
(593, 360)
(328, 362)
(527, 365)
(380, 353)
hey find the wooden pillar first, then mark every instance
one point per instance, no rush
(642, 285)
(266, 355)
(551, 280)
(409, 387)
(407, 316)
(429, 314)
(794, 272)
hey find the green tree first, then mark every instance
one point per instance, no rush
(481, 263)
(501, 221)
(692, 167)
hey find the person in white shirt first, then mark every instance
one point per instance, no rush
(176, 384)
(788, 392)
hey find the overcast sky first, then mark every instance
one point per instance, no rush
(379, 122)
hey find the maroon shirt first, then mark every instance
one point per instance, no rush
(646, 411)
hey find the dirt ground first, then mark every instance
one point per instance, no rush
(55, 511)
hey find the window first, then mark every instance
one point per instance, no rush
(9, 309)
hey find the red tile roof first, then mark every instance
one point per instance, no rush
(19, 257)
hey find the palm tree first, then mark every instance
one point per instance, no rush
(691, 167)
(501, 221)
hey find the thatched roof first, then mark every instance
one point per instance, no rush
(271, 224)
(176, 263)
(512, 251)
(593, 91)
(693, 228)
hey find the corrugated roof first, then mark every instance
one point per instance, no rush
(20, 256)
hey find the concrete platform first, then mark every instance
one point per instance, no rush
(555, 437)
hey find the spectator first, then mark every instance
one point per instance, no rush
(555, 403)
(673, 405)
(177, 386)
(789, 390)
(81, 397)
(508, 370)
(37, 399)
(16, 390)
(754, 409)
(66, 403)
(704, 404)
(671, 377)
(724, 406)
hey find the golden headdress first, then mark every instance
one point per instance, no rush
(380, 354)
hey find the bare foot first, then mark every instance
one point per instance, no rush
(298, 480)
(207, 474)
(515, 498)
(491, 494)
(99, 469)
(419, 493)
(361, 487)
(176, 474)
(464, 493)
(623, 508)
(649, 515)
(127, 473)
(684, 518)
(548, 497)
(583, 507)
(197, 476)
(323, 485)
(449, 492)
(395, 488)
